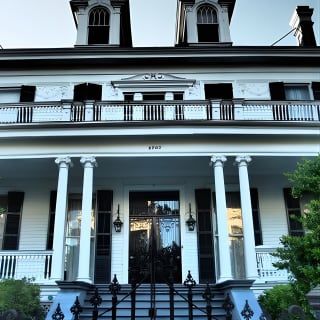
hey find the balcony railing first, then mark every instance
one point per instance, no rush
(266, 271)
(37, 265)
(159, 111)
(26, 264)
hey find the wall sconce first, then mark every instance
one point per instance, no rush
(191, 222)
(117, 223)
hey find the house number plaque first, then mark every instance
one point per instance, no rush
(154, 147)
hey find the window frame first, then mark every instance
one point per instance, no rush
(291, 210)
(98, 29)
(207, 24)
(278, 90)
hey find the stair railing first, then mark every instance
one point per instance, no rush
(207, 296)
(114, 288)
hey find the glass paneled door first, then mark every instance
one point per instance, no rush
(154, 241)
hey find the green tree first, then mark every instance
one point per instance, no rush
(21, 295)
(300, 255)
(277, 299)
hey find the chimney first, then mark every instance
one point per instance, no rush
(303, 25)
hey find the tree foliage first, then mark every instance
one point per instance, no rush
(21, 295)
(274, 301)
(300, 255)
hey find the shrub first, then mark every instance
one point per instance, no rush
(21, 295)
(276, 300)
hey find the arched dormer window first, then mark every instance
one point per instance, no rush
(99, 26)
(207, 24)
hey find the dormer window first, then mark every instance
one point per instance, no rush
(99, 26)
(207, 24)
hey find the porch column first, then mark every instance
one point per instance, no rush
(222, 222)
(247, 221)
(60, 219)
(85, 235)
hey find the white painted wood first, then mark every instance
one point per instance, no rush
(34, 219)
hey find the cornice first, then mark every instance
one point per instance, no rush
(209, 55)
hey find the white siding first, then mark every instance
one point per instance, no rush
(34, 224)
(272, 209)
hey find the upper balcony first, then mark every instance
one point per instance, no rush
(13, 114)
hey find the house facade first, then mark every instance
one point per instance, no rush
(121, 160)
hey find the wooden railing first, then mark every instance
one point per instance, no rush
(213, 110)
(37, 264)
(26, 264)
(266, 271)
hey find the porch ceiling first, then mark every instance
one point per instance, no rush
(123, 167)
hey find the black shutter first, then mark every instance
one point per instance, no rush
(27, 93)
(12, 227)
(256, 216)
(103, 237)
(15, 200)
(205, 236)
(316, 90)
(52, 214)
(80, 92)
(277, 91)
(94, 91)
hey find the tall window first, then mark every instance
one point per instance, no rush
(10, 220)
(235, 229)
(293, 209)
(99, 26)
(207, 24)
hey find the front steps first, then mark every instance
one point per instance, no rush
(162, 305)
(241, 298)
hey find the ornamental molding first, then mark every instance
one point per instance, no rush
(152, 76)
(160, 81)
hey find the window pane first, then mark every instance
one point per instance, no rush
(296, 92)
(206, 15)
(293, 211)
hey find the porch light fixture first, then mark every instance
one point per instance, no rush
(191, 222)
(117, 223)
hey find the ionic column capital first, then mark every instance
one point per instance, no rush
(63, 162)
(88, 162)
(243, 160)
(218, 160)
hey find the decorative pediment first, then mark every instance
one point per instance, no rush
(158, 81)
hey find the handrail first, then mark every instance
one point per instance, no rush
(175, 110)
(125, 297)
(187, 300)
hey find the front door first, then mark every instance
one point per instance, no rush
(154, 241)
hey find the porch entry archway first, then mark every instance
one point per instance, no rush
(154, 239)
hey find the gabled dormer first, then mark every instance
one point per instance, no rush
(204, 22)
(102, 22)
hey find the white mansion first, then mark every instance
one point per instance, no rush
(186, 145)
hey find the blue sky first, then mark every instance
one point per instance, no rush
(49, 23)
